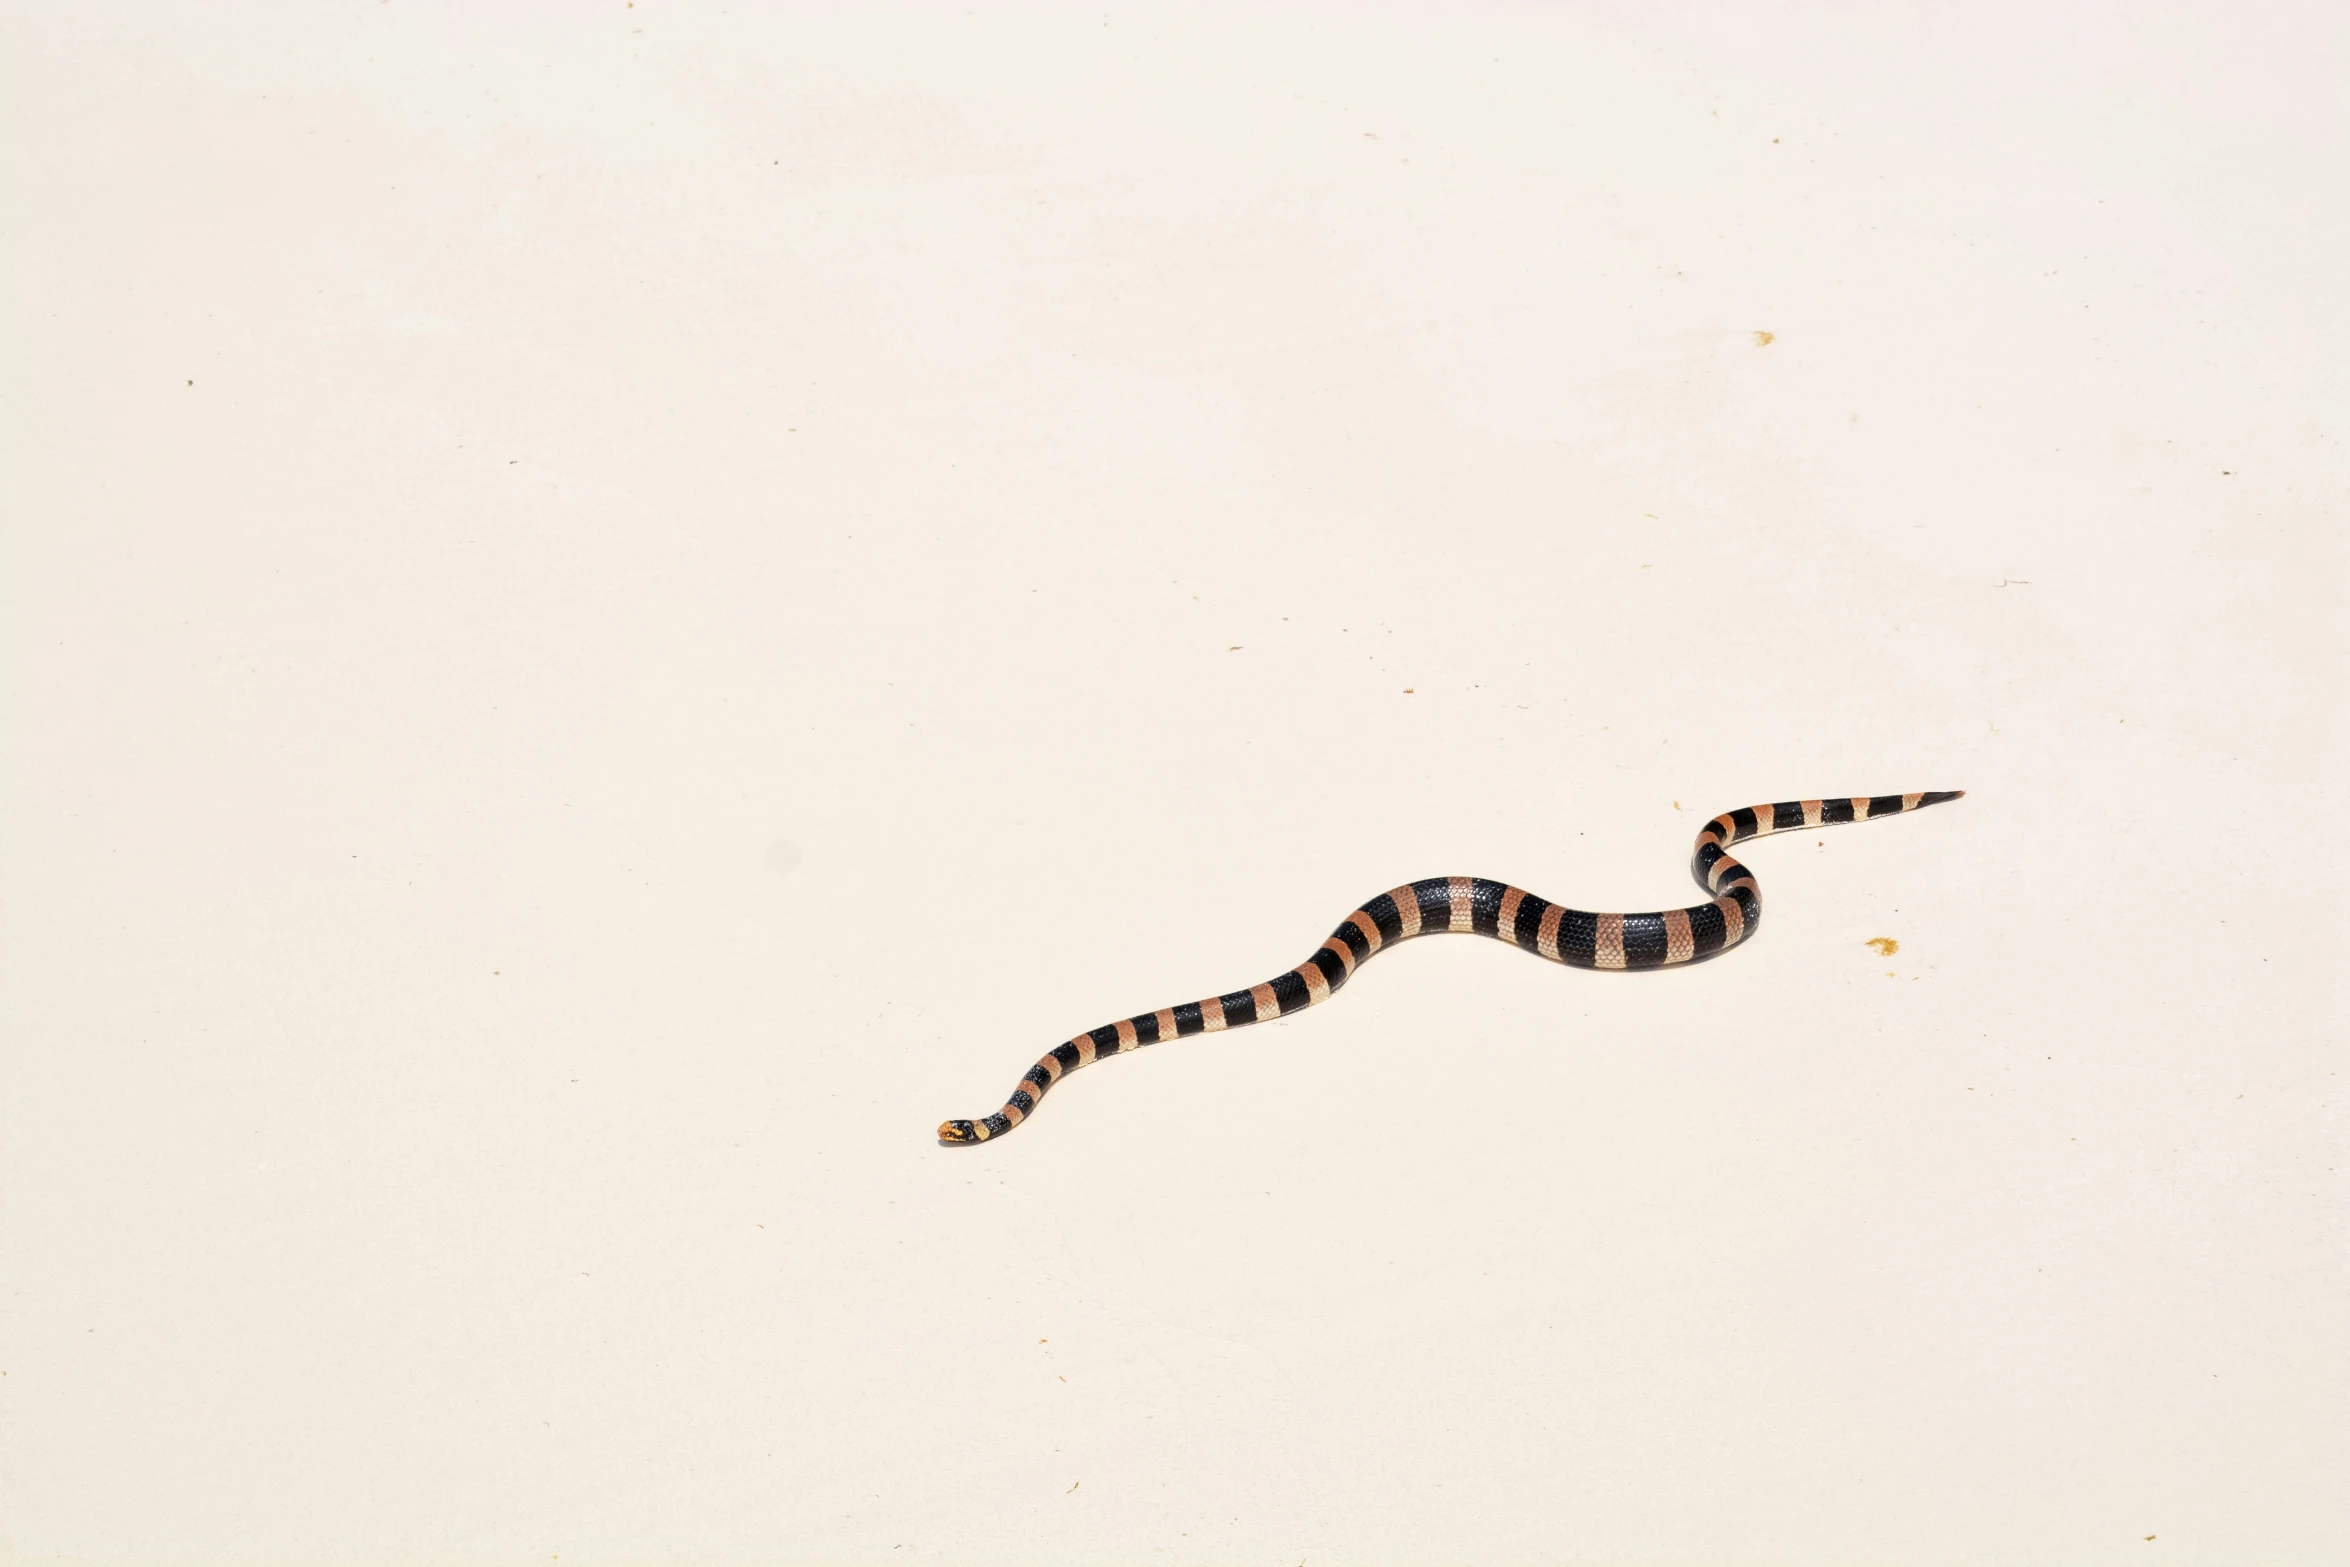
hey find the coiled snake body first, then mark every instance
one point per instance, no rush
(1489, 908)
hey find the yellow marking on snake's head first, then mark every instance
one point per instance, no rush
(1886, 946)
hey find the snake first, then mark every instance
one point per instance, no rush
(1475, 905)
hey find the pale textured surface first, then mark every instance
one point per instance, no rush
(724, 580)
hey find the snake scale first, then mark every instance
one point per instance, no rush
(1488, 908)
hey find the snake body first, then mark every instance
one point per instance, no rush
(1488, 908)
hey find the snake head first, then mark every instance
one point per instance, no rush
(957, 1132)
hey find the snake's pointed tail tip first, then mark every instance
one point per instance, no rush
(952, 1132)
(1939, 796)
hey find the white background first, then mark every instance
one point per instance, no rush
(612, 611)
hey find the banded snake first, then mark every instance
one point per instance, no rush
(1487, 908)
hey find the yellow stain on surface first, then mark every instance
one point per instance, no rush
(1764, 339)
(1886, 946)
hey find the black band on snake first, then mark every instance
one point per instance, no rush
(1488, 908)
